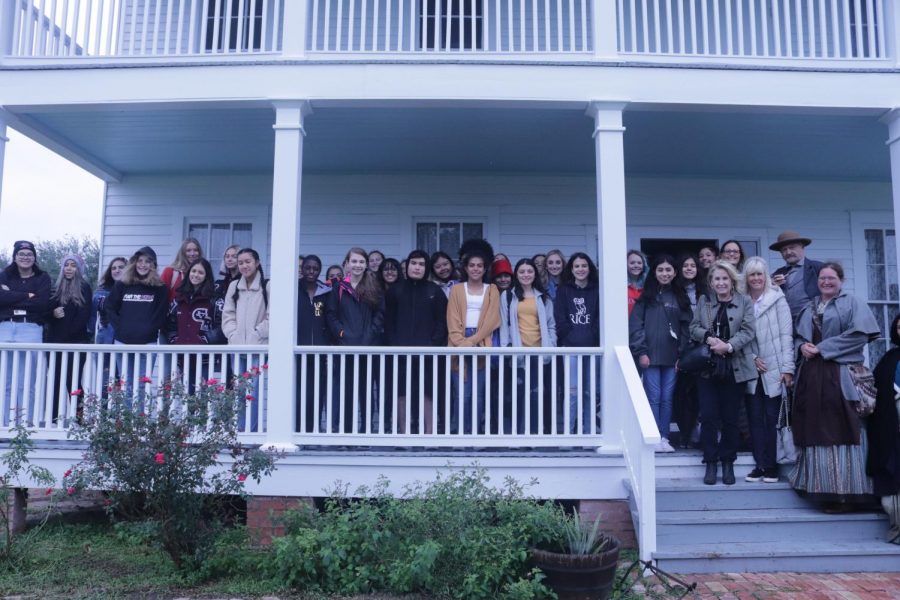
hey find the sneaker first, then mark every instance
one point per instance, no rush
(770, 476)
(755, 475)
(664, 446)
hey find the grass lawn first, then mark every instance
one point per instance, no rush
(89, 560)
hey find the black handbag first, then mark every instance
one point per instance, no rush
(696, 359)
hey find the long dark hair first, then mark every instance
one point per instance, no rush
(207, 287)
(651, 284)
(262, 275)
(106, 280)
(743, 257)
(537, 284)
(567, 276)
(434, 258)
(699, 279)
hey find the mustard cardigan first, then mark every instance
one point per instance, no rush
(488, 320)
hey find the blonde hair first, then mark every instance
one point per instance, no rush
(728, 268)
(129, 275)
(753, 265)
(181, 262)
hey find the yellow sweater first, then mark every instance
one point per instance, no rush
(488, 320)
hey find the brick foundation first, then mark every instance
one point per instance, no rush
(615, 518)
(264, 512)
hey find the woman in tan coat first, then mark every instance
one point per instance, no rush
(473, 313)
(245, 320)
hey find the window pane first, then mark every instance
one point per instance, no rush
(201, 233)
(892, 282)
(874, 247)
(876, 283)
(449, 235)
(878, 311)
(473, 231)
(892, 310)
(426, 237)
(876, 351)
(242, 235)
(890, 247)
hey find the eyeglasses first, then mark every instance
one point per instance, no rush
(24, 255)
(731, 251)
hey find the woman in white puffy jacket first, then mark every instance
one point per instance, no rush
(773, 355)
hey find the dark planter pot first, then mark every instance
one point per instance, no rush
(579, 576)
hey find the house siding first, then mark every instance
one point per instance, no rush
(525, 214)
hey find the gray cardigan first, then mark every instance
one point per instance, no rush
(741, 323)
(509, 321)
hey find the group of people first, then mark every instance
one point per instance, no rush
(793, 333)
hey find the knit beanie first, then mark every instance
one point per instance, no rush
(74, 258)
(500, 267)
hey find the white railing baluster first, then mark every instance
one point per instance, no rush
(521, 25)
(858, 30)
(228, 19)
(670, 30)
(314, 33)
(559, 26)
(42, 38)
(705, 29)
(412, 25)
(217, 25)
(154, 49)
(694, 28)
(801, 35)
(351, 19)
(388, 21)
(740, 27)
(363, 26)
(729, 37)
(879, 25)
(835, 30)
(645, 27)
(753, 29)
(251, 26)
(657, 33)
(823, 29)
(327, 28)
(717, 28)
(534, 24)
(584, 26)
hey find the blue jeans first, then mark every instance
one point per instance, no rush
(659, 383)
(15, 331)
(585, 393)
(536, 396)
(466, 365)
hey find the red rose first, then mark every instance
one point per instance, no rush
(265, 366)
(145, 379)
(220, 388)
(78, 393)
(250, 397)
(48, 492)
(71, 491)
(67, 473)
(160, 458)
(242, 477)
(212, 381)
(246, 375)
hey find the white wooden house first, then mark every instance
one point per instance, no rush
(301, 126)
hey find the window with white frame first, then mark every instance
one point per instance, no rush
(215, 237)
(447, 235)
(451, 24)
(881, 278)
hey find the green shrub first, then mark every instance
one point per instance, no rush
(163, 466)
(454, 537)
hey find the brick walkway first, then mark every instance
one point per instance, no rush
(790, 586)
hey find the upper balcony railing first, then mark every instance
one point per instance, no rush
(843, 32)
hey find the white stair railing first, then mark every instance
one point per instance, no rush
(639, 439)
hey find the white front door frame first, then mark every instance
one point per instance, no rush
(638, 232)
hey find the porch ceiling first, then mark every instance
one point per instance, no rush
(432, 139)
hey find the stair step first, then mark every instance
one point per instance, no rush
(689, 463)
(874, 555)
(768, 524)
(693, 494)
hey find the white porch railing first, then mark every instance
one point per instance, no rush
(794, 29)
(44, 383)
(639, 438)
(99, 28)
(451, 26)
(360, 396)
(429, 396)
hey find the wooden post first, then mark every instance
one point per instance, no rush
(294, 26)
(286, 188)
(610, 166)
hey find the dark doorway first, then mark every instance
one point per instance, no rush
(675, 247)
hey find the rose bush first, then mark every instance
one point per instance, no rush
(171, 458)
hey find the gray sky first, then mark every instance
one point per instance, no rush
(44, 196)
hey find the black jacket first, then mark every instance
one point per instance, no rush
(577, 315)
(351, 321)
(312, 328)
(811, 270)
(883, 460)
(14, 300)
(73, 327)
(415, 314)
(652, 324)
(137, 311)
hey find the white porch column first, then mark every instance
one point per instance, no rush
(3, 140)
(610, 157)
(280, 418)
(892, 120)
(295, 25)
(604, 29)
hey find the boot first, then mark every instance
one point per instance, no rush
(728, 473)
(710, 477)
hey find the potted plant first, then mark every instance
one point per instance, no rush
(581, 563)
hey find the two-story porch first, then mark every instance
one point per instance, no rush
(313, 141)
